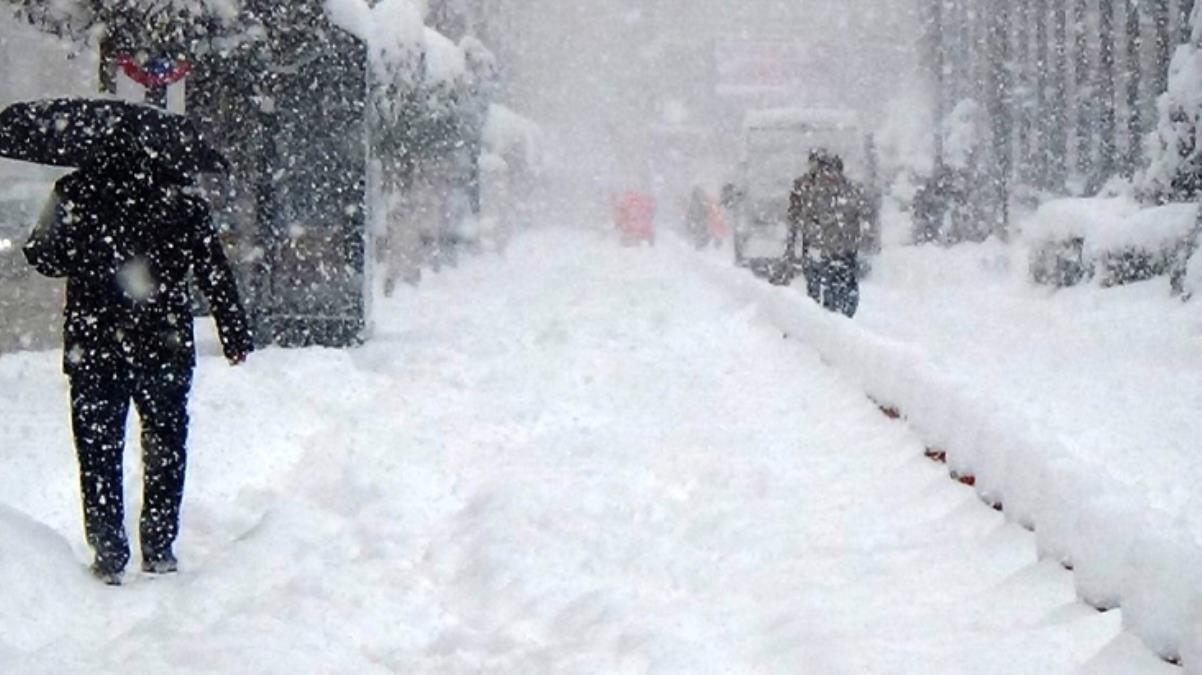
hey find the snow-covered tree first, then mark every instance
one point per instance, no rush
(1175, 171)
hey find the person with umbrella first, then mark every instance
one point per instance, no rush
(127, 233)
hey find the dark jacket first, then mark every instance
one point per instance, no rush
(829, 212)
(128, 244)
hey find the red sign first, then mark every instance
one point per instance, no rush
(156, 72)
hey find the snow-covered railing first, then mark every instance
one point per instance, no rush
(1124, 551)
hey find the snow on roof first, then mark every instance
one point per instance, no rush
(787, 118)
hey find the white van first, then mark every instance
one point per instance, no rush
(776, 145)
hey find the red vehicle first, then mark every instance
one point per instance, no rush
(634, 215)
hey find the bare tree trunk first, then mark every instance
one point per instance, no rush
(1059, 101)
(1024, 92)
(1043, 79)
(1134, 74)
(1001, 114)
(958, 26)
(1083, 94)
(938, 61)
(1164, 46)
(1185, 10)
(1107, 123)
(107, 76)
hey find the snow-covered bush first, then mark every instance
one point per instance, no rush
(1109, 239)
(428, 100)
(511, 167)
(948, 207)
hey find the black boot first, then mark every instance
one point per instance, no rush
(107, 570)
(160, 563)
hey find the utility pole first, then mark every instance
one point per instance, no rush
(1164, 46)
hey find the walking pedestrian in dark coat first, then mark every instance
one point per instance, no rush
(828, 213)
(128, 238)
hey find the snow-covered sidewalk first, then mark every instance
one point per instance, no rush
(580, 458)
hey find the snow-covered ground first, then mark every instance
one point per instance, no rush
(1097, 391)
(1115, 374)
(579, 458)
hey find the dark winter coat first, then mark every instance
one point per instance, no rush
(829, 212)
(128, 244)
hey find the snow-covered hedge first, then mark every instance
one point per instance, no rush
(1111, 239)
(1125, 550)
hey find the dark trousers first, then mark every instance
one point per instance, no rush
(99, 408)
(831, 281)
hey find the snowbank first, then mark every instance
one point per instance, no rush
(1110, 223)
(1131, 544)
(1061, 219)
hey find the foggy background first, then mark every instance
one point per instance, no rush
(628, 84)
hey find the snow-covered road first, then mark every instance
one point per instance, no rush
(578, 458)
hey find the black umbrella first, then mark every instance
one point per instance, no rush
(76, 132)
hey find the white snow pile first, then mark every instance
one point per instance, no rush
(1111, 224)
(1117, 502)
(1061, 219)
(1109, 228)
